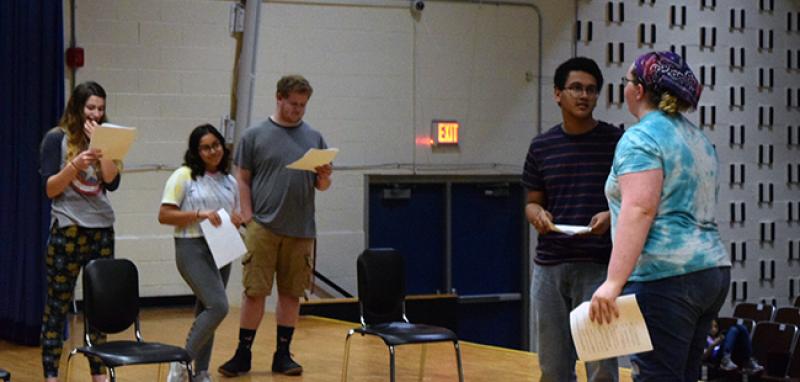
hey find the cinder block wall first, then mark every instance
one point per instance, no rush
(380, 73)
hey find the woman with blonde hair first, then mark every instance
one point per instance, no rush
(662, 193)
(81, 219)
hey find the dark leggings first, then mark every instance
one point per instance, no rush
(68, 250)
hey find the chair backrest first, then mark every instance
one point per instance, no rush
(110, 294)
(797, 301)
(381, 285)
(724, 323)
(772, 346)
(788, 315)
(755, 312)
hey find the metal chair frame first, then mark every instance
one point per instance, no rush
(367, 329)
(136, 325)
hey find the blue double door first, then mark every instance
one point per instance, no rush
(462, 235)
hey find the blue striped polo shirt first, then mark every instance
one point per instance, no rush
(571, 170)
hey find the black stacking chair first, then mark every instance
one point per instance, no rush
(111, 305)
(772, 347)
(381, 299)
(755, 312)
(797, 301)
(4, 375)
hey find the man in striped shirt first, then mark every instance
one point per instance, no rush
(565, 172)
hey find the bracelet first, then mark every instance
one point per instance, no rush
(197, 215)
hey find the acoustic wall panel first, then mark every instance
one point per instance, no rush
(747, 55)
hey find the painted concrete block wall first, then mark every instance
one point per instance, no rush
(380, 75)
(166, 66)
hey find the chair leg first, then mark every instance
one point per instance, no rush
(190, 371)
(391, 364)
(69, 362)
(113, 374)
(346, 355)
(422, 356)
(458, 361)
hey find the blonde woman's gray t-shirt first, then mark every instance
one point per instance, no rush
(83, 202)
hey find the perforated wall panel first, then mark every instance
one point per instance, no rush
(747, 55)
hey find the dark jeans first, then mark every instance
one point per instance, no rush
(737, 344)
(678, 312)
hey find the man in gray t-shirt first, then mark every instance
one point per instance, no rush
(278, 206)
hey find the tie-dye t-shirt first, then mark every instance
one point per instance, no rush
(684, 237)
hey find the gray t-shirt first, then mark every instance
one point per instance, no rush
(282, 199)
(83, 202)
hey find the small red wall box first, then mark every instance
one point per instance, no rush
(75, 57)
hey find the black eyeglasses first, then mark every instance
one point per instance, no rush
(577, 91)
(212, 147)
(626, 79)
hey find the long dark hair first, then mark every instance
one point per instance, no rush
(192, 157)
(73, 119)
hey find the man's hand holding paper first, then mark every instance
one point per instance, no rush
(314, 159)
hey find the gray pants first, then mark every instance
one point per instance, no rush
(196, 266)
(556, 290)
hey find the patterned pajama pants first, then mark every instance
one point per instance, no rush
(68, 250)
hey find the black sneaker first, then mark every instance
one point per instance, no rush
(284, 364)
(239, 364)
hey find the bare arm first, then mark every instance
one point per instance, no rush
(172, 215)
(641, 195)
(244, 179)
(59, 181)
(540, 218)
(108, 169)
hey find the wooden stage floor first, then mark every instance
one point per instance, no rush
(318, 345)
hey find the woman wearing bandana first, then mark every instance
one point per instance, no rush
(662, 193)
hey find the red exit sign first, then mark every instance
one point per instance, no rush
(445, 132)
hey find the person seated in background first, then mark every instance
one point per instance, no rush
(723, 348)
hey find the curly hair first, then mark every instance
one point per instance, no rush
(192, 157)
(666, 101)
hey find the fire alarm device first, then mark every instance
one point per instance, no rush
(75, 57)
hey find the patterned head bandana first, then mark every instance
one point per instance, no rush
(667, 71)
